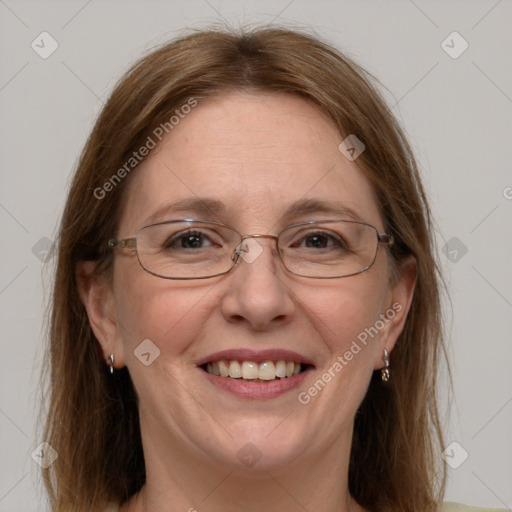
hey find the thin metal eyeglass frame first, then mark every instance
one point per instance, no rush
(127, 243)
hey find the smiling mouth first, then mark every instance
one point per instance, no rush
(251, 371)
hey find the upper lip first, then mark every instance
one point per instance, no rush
(256, 356)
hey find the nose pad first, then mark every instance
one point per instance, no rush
(249, 249)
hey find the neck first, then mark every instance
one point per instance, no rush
(233, 492)
(178, 479)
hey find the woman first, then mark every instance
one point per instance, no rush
(246, 308)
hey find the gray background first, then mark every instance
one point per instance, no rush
(457, 112)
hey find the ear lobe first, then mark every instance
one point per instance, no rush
(398, 305)
(96, 296)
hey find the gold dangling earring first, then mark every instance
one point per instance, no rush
(385, 373)
(110, 362)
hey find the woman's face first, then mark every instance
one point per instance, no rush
(267, 161)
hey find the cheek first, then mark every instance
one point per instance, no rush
(170, 314)
(345, 314)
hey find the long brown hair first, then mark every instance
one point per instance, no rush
(395, 462)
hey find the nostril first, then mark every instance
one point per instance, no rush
(237, 319)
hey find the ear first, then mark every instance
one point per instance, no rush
(396, 307)
(97, 297)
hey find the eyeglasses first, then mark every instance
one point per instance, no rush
(196, 249)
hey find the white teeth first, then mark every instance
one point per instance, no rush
(249, 370)
(235, 370)
(267, 371)
(281, 369)
(224, 369)
(215, 369)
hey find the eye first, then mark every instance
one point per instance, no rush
(190, 240)
(320, 240)
(317, 241)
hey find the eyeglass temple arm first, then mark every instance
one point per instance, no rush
(386, 239)
(125, 242)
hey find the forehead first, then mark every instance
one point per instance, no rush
(255, 156)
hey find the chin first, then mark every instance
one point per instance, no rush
(259, 445)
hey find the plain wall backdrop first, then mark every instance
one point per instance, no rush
(455, 103)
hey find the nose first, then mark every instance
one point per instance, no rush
(257, 294)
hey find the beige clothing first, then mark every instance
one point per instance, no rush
(457, 507)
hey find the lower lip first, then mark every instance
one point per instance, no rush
(257, 390)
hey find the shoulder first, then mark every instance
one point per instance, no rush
(449, 506)
(112, 507)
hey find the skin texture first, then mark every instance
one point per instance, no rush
(257, 154)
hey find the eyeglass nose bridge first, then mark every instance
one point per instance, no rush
(242, 247)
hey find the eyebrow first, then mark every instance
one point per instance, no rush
(317, 206)
(206, 207)
(202, 206)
